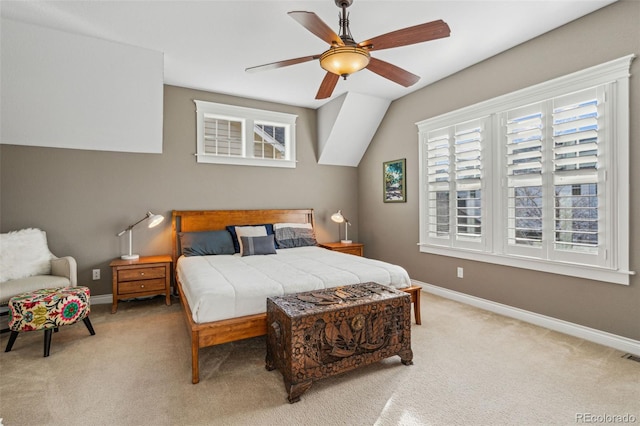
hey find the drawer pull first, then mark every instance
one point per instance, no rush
(142, 286)
(141, 273)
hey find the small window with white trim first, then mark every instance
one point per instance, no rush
(228, 134)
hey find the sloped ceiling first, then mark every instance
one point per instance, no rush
(208, 44)
(346, 125)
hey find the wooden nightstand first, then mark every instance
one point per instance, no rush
(414, 292)
(147, 276)
(351, 248)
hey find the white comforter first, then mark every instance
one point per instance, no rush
(229, 286)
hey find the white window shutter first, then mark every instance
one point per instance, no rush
(223, 136)
(468, 147)
(578, 175)
(438, 176)
(524, 129)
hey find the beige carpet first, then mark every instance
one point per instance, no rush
(470, 367)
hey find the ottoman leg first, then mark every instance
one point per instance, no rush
(47, 341)
(12, 339)
(87, 322)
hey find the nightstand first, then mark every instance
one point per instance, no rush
(146, 276)
(350, 248)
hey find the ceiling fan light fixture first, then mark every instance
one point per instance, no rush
(344, 60)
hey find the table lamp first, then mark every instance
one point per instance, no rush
(154, 220)
(339, 218)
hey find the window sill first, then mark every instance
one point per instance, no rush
(258, 162)
(572, 270)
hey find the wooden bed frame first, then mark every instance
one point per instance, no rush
(218, 332)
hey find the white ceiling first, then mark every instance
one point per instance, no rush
(208, 44)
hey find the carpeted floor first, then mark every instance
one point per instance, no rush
(471, 367)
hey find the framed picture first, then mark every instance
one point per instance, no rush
(393, 180)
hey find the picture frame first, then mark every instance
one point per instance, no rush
(394, 187)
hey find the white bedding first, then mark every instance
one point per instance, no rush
(229, 286)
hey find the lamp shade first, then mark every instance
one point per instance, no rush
(154, 219)
(344, 60)
(337, 217)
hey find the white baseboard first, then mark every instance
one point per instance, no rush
(103, 299)
(621, 343)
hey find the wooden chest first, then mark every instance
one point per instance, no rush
(322, 333)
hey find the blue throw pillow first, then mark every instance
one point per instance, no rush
(206, 243)
(258, 245)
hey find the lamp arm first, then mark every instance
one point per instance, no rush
(130, 227)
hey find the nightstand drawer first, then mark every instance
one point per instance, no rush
(356, 249)
(130, 287)
(141, 273)
(351, 250)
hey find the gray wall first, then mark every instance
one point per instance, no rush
(391, 231)
(83, 198)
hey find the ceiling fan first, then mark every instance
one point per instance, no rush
(346, 57)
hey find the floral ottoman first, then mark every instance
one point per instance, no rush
(48, 309)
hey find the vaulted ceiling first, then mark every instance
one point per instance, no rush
(208, 44)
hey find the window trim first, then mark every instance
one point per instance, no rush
(247, 116)
(616, 73)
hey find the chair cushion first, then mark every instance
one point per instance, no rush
(9, 289)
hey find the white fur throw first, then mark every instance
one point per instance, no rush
(24, 253)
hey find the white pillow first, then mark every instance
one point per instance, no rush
(292, 225)
(249, 231)
(24, 253)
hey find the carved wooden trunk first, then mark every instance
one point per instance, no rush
(321, 333)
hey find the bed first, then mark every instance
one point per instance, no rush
(224, 296)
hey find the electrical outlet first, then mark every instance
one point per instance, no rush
(460, 272)
(96, 274)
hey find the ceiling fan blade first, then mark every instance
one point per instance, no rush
(328, 84)
(411, 35)
(392, 72)
(281, 64)
(310, 21)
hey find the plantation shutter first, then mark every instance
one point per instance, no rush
(438, 176)
(222, 137)
(524, 129)
(577, 128)
(468, 180)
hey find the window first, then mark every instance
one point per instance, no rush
(455, 166)
(236, 135)
(535, 179)
(555, 164)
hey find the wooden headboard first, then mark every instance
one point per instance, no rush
(214, 220)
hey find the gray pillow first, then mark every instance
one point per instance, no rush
(206, 243)
(290, 237)
(258, 245)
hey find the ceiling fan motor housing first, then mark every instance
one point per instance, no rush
(344, 3)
